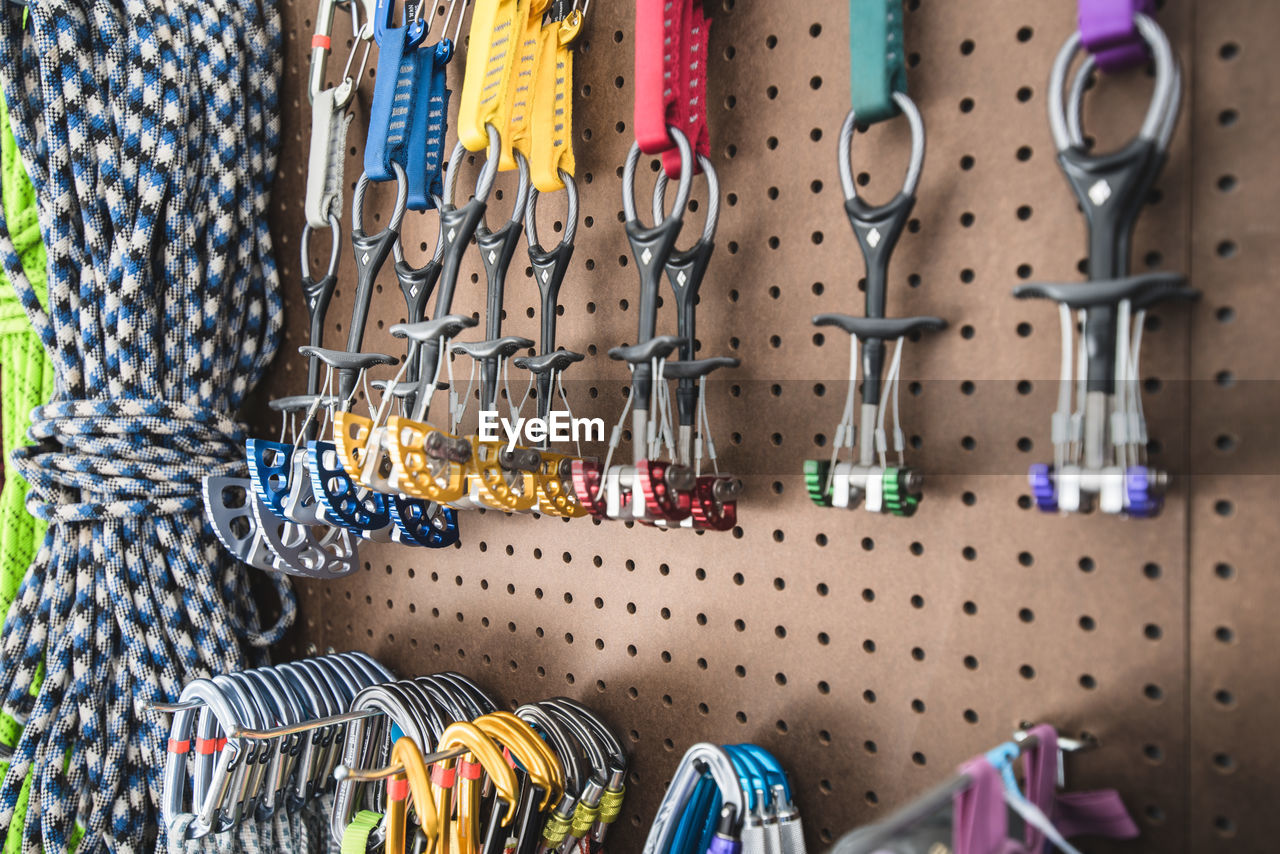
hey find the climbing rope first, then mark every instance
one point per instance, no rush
(149, 133)
(26, 378)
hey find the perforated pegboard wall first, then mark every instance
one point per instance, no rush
(873, 654)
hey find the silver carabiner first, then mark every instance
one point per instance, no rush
(321, 45)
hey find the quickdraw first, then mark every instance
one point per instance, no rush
(871, 479)
(1100, 440)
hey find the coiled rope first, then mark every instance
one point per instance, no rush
(150, 133)
(26, 378)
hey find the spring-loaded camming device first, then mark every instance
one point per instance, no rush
(1100, 446)
(607, 490)
(679, 490)
(361, 442)
(555, 477)
(870, 479)
(428, 462)
(499, 477)
(346, 504)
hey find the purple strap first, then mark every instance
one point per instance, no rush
(980, 824)
(1108, 32)
(1094, 813)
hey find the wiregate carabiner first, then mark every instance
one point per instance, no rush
(209, 786)
(322, 42)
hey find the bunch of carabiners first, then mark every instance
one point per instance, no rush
(335, 476)
(666, 484)
(872, 478)
(252, 754)
(727, 800)
(547, 778)
(1098, 430)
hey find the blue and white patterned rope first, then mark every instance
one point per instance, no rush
(150, 132)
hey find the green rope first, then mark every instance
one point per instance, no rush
(26, 381)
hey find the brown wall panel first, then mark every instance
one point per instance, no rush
(874, 654)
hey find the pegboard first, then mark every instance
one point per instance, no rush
(870, 654)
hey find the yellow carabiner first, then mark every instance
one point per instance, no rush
(414, 781)
(461, 835)
(522, 743)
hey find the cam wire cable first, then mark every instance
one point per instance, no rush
(150, 135)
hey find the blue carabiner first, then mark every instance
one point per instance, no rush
(774, 774)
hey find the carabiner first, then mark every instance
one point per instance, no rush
(321, 45)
